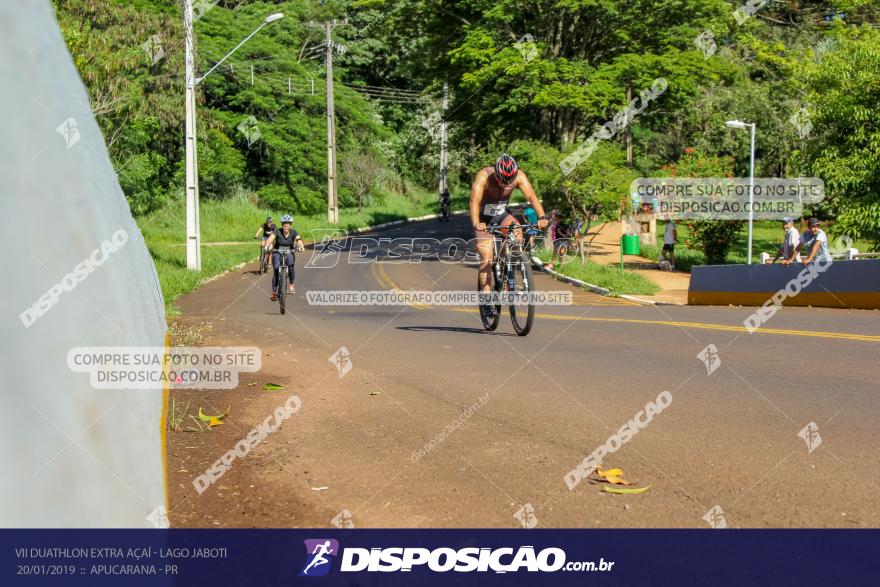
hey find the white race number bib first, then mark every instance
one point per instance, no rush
(494, 209)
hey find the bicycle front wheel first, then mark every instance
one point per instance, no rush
(522, 308)
(282, 289)
(491, 323)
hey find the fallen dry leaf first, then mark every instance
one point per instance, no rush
(625, 490)
(213, 420)
(613, 476)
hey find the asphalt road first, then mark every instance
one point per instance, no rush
(405, 440)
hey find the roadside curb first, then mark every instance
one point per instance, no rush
(597, 289)
(649, 302)
(403, 221)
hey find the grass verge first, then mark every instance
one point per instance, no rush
(619, 281)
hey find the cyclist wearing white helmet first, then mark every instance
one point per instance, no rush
(288, 239)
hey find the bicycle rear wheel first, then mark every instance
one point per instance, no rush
(520, 281)
(491, 323)
(282, 289)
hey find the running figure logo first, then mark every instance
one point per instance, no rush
(318, 556)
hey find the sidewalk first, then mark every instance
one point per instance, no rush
(606, 250)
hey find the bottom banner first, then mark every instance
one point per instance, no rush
(437, 557)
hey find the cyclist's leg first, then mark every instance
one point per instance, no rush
(508, 220)
(276, 270)
(485, 249)
(291, 273)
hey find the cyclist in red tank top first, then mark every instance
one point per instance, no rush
(490, 195)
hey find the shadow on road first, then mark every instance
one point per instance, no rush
(451, 329)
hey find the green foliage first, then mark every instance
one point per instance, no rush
(713, 237)
(843, 92)
(535, 96)
(859, 221)
(286, 201)
(221, 166)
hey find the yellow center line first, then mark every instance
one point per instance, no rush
(381, 276)
(385, 281)
(709, 326)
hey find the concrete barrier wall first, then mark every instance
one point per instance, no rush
(844, 284)
(72, 455)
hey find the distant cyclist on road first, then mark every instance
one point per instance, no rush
(490, 195)
(264, 231)
(287, 238)
(444, 205)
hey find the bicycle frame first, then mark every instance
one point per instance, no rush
(510, 257)
(283, 251)
(507, 249)
(505, 244)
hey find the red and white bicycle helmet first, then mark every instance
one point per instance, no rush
(506, 168)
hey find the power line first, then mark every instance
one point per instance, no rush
(386, 88)
(385, 95)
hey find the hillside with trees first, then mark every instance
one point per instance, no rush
(533, 77)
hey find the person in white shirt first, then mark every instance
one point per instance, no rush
(670, 237)
(789, 248)
(815, 244)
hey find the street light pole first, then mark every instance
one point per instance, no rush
(193, 232)
(751, 193)
(332, 204)
(751, 126)
(193, 235)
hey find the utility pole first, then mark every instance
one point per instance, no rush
(628, 137)
(193, 236)
(332, 201)
(443, 154)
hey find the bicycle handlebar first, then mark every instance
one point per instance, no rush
(507, 227)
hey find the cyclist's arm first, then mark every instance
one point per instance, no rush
(528, 191)
(259, 232)
(477, 189)
(270, 241)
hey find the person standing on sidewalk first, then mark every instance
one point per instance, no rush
(670, 237)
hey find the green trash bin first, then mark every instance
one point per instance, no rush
(630, 244)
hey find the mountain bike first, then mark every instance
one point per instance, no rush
(282, 278)
(264, 258)
(511, 274)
